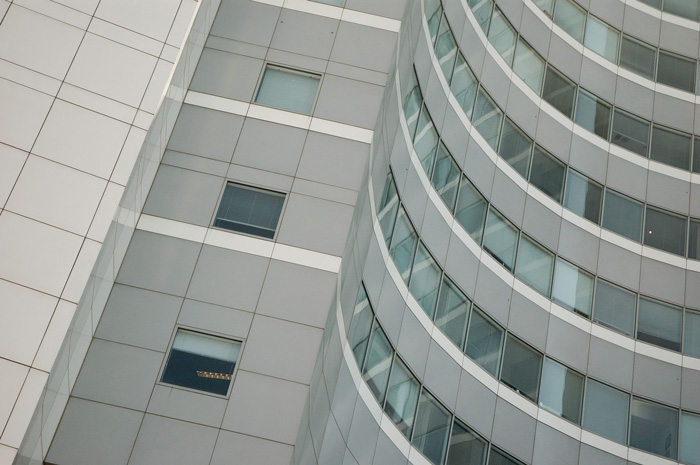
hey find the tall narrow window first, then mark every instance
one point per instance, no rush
(452, 312)
(446, 177)
(528, 65)
(482, 11)
(570, 17)
(466, 447)
(249, 210)
(521, 368)
(360, 326)
(573, 288)
(515, 148)
(378, 363)
(689, 444)
(402, 397)
(602, 39)
(426, 140)
(446, 50)
(288, 89)
(534, 265)
(547, 173)
(583, 196)
(562, 391)
(403, 245)
(501, 239)
(471, 210)
(425, 280)
(202, 362)
(432, 428)
(691, 338)
(487, 118)
(484, 341)
(593, 113)
(464, 85)
(388, 208)
(502, 36)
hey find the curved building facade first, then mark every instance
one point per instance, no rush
(520, 286)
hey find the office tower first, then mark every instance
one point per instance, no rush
(478, 249)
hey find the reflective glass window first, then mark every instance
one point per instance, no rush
(411, 109)
(484, 341)
(500, 239)
(482, 11)
(547, 6)
(593, 113)
(433, 11)
(515, 148)
(534, 265)
(623, 215)
(529, 65)
(570, 17)
(602, 39)
(638, 57)
(446, 50)
(573, 287)
(487, 118)
(664, 231)
(676, 71)
(547, 173)
(583, 196)
(387, 208)
(464, 85)
(471, 209)
(606, 411)
(497, 457)
(694, 239)
(249, 210)
(521, 368)
(378, 363)
(452, 312)
(559, 91)
(696, 153)
(425, 280)
(689, 449)
(402, 397)
(686, 8)
(288, 89)
(466, 448)
(561, 391)
(360, 326)
(502, 36)
(202, 362)
(670, 147)
(630, 132)
(425, 142)
(432, 428)
(654, 428)
(403, 245)
(659, 324)
(691, 340)
(615, 307)
(446, 177)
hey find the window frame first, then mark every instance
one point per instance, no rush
(254, 188)
(206, 333)
(289, 69)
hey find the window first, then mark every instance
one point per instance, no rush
(515, 148)
(638, 57)
(654, 428)
(684, 8)
(482, 12)
(387, 208)
(249, 210)
(446, 50)
(696, 149)
(623, 216)
(202, 362)
(465, 446)
(487, 118)
(411, 108)
(425, 280)
(559, 91)
(433, 11)
(446, 177)
(497, 457)
(689, 444)
(615, 307)
(630, 132)
(402, 397)
(484, 341)
(665, 231)
(659, 324)
(670, 147)
(288, 89)
(570, 17)
(573, 288)
(464, 85)
(606, 411)
(602, 39)
(534, 265)
(403, 245)
(521, 368)
(360, 326)
(529, 66)
(562, 391)
(691, 340)
(452, 312)
(500, 239)
(432, 428)
(471, 209)
(426, 141)
(547, 6)
(376, 370)
(676, 71)
(583, 196)
(593, 113)
(502, 36)
(547, 173)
